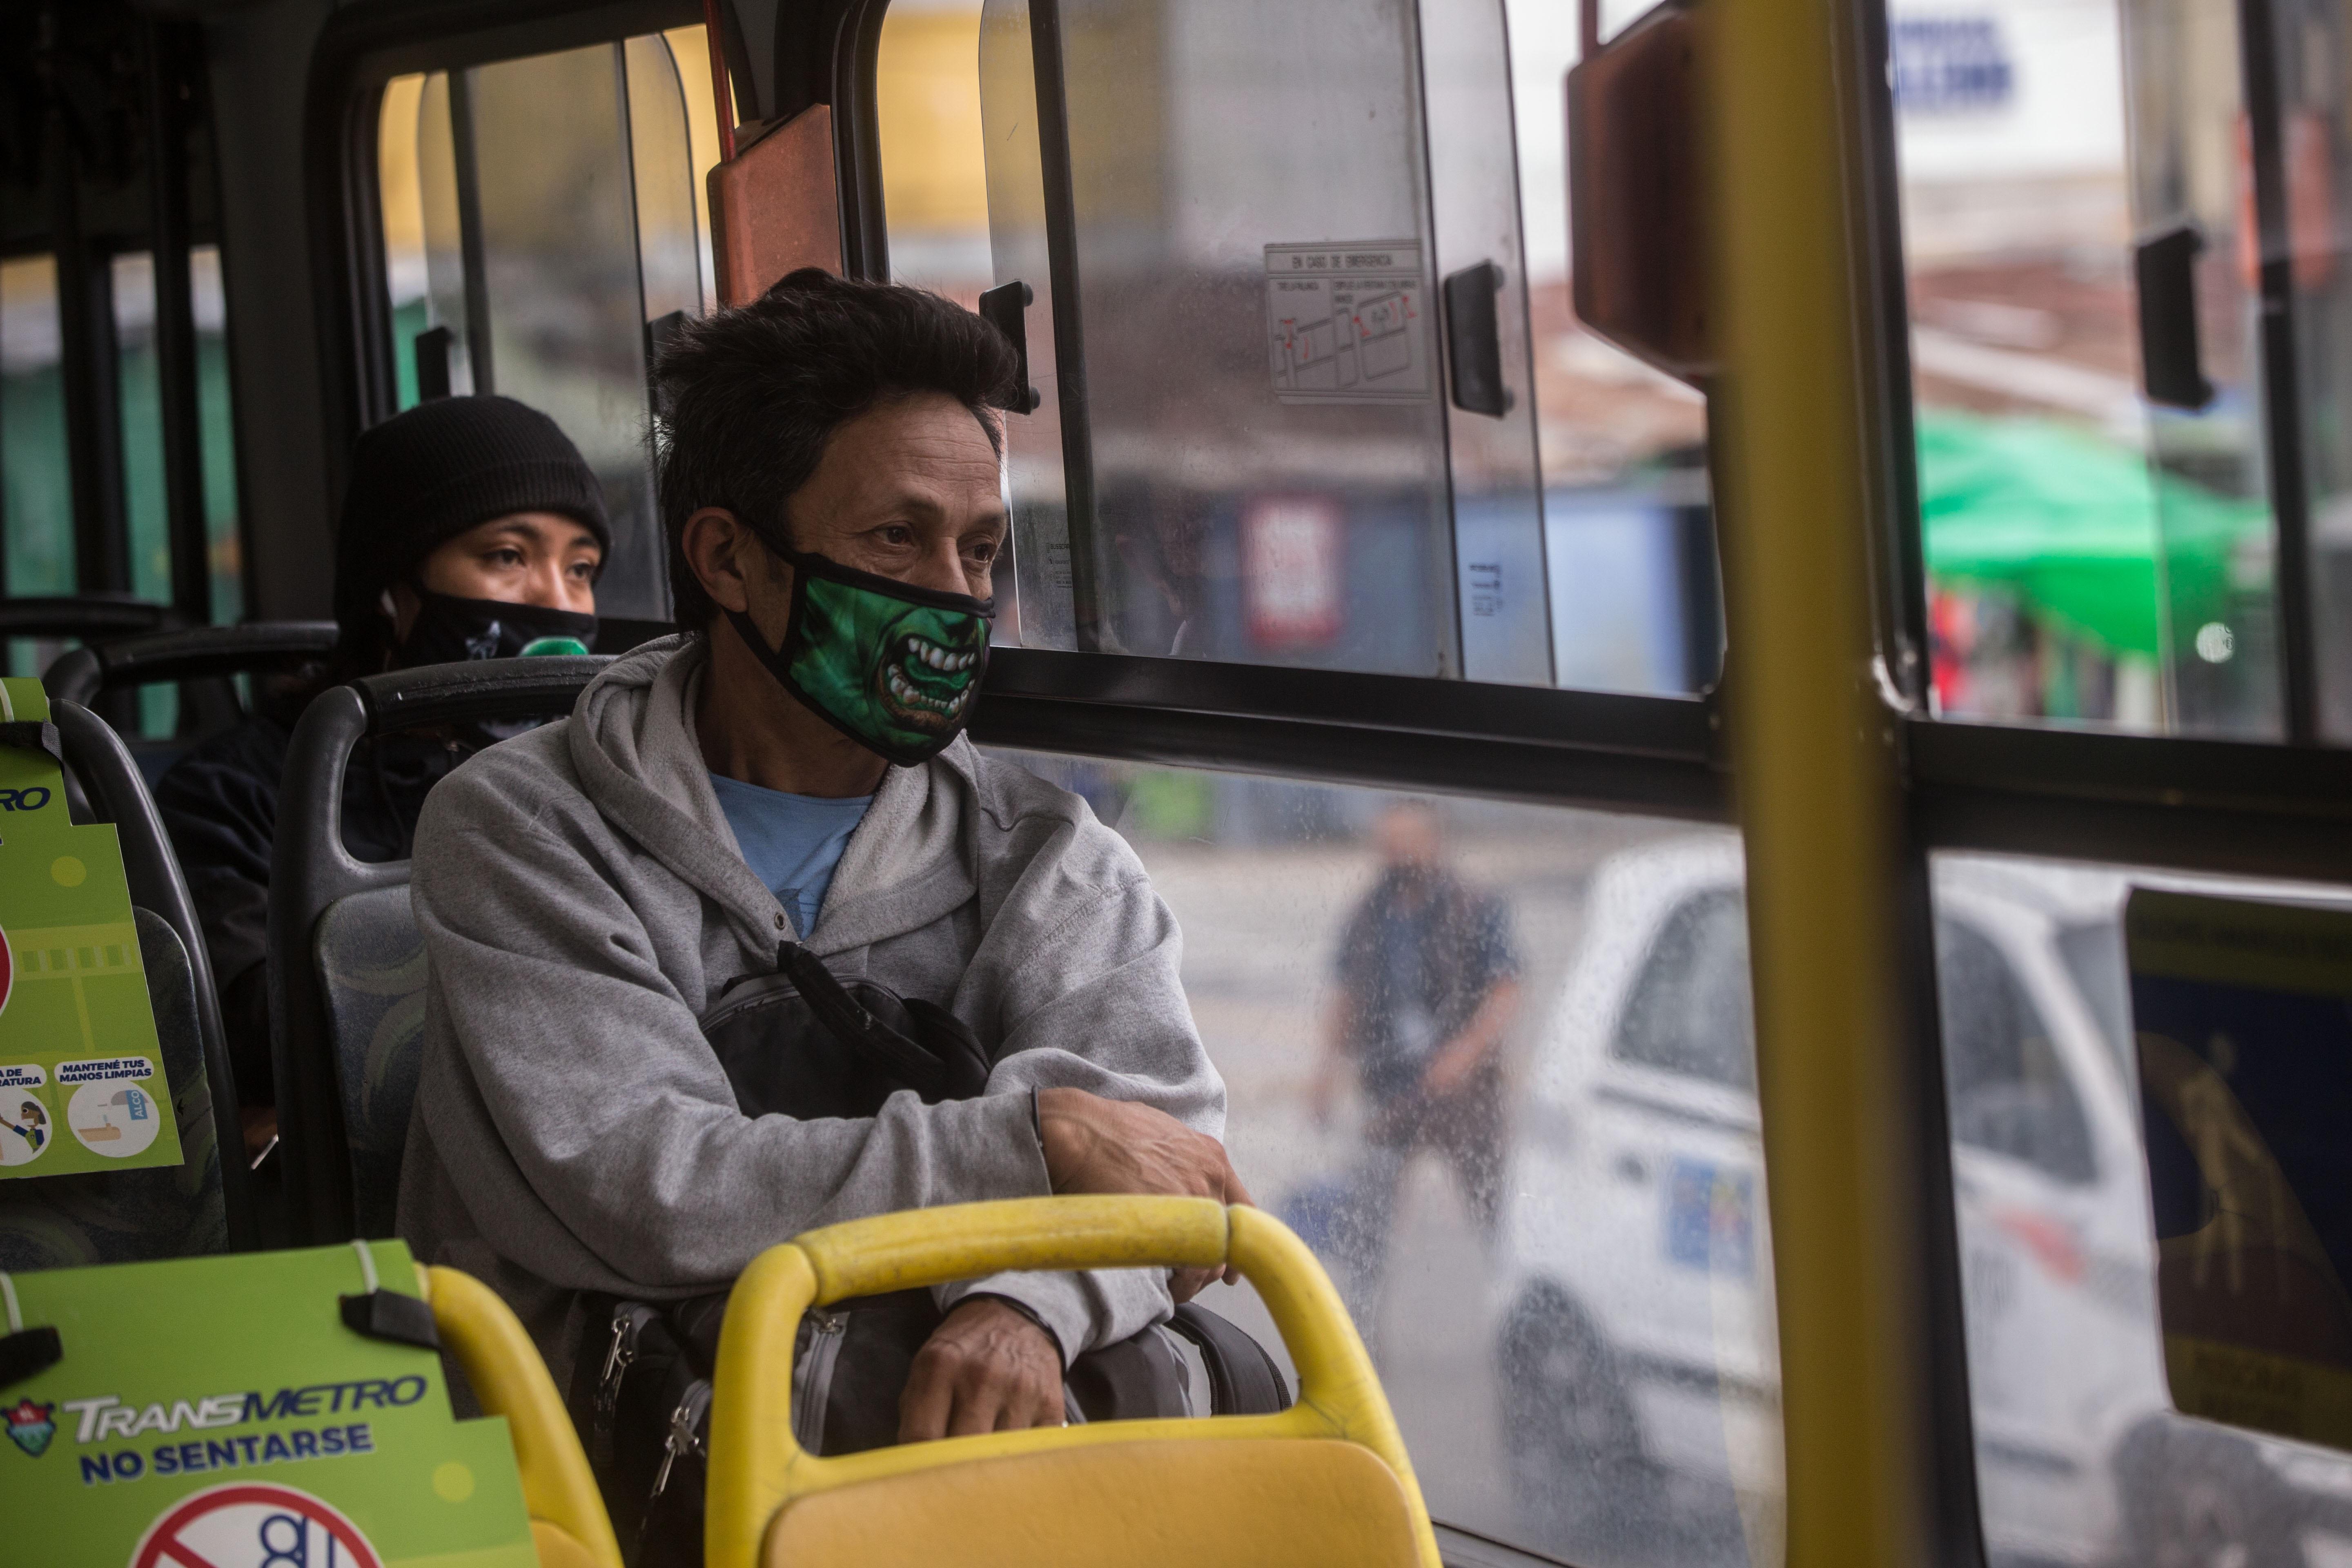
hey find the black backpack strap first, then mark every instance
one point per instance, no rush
(850, 1022)
(1243, 1378)
(951, 1040)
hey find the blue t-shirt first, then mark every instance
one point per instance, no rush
(791, 842)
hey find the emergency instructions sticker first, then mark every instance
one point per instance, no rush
(1348, 323)
(82, 1085)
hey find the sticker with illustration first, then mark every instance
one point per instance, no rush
(82, 1085)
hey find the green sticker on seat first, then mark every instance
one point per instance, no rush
(83, 1086)
(217, 1413)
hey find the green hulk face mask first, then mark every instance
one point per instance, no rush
(893, 667)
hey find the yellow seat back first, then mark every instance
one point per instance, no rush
(568, 1522)
(1260, 1502)
(1326, 1481)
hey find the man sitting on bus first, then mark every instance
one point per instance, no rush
(792, 767)
(471, 528)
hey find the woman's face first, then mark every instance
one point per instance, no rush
(524, 558)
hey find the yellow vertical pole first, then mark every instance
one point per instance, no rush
(1816, 785)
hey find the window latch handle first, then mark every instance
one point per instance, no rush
(1473, 340)
(2170, 367)
(1005, 308)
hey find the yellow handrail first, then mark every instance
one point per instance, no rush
(756, 1467)
(1817, 782)
(510, 1379)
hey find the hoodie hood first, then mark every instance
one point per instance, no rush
(635, 751)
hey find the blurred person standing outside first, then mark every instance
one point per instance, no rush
(1428, 985)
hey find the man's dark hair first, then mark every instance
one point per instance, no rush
(747, 397)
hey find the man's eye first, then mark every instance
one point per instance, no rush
(506, 558)
(897, 533)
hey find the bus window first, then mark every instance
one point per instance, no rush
(2040, 515)
(139, 396)
(1627, 536)
(1690, 1012)
(2081, 1456)
(1617, 1401)
(1282, 445)
(401, 203)
(934, 175)
(224, 551)
(2314, 154)
(34, 475)
(2215, 526)
(2009, 1095)
(661, 151)
(540, 215)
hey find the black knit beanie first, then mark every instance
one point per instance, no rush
(423, 478)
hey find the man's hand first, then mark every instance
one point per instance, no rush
(985, 1369)
(1466, 1052)
(1452, 1067)
(1097, 1145)
(1323, 1090)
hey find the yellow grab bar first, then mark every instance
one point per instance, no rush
(1813, 749)
(756, 1467)
(510, 1380)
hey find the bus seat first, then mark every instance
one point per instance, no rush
(568, 1522)
(346, 965)
(371, 966)
(97, 762)
(1325, 1482)
(194, 653)
(201, 660)
(127, 1217)
(82, 617)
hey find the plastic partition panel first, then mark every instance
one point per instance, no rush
(1040, 614)
(559, 274)
(1500, 578)
(446, 299)
(669, 251)
(1235, 201)
(2218, 611)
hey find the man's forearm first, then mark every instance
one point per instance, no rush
(1478, 1039)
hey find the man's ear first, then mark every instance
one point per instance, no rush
(715, 543)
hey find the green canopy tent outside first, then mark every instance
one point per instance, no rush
(2073, 525)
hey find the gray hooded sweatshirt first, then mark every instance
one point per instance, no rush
(583, 902)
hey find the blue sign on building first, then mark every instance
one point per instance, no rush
(1946, 65)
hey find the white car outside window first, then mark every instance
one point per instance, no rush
(1636, 1255)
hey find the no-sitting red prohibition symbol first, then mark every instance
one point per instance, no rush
(253, 1525)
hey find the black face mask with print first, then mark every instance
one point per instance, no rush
(451, 630)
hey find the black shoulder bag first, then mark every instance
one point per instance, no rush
(803, 1043)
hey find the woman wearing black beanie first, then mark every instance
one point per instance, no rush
(472, 528)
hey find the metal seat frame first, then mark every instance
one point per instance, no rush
(96, 757)
(194, 653)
